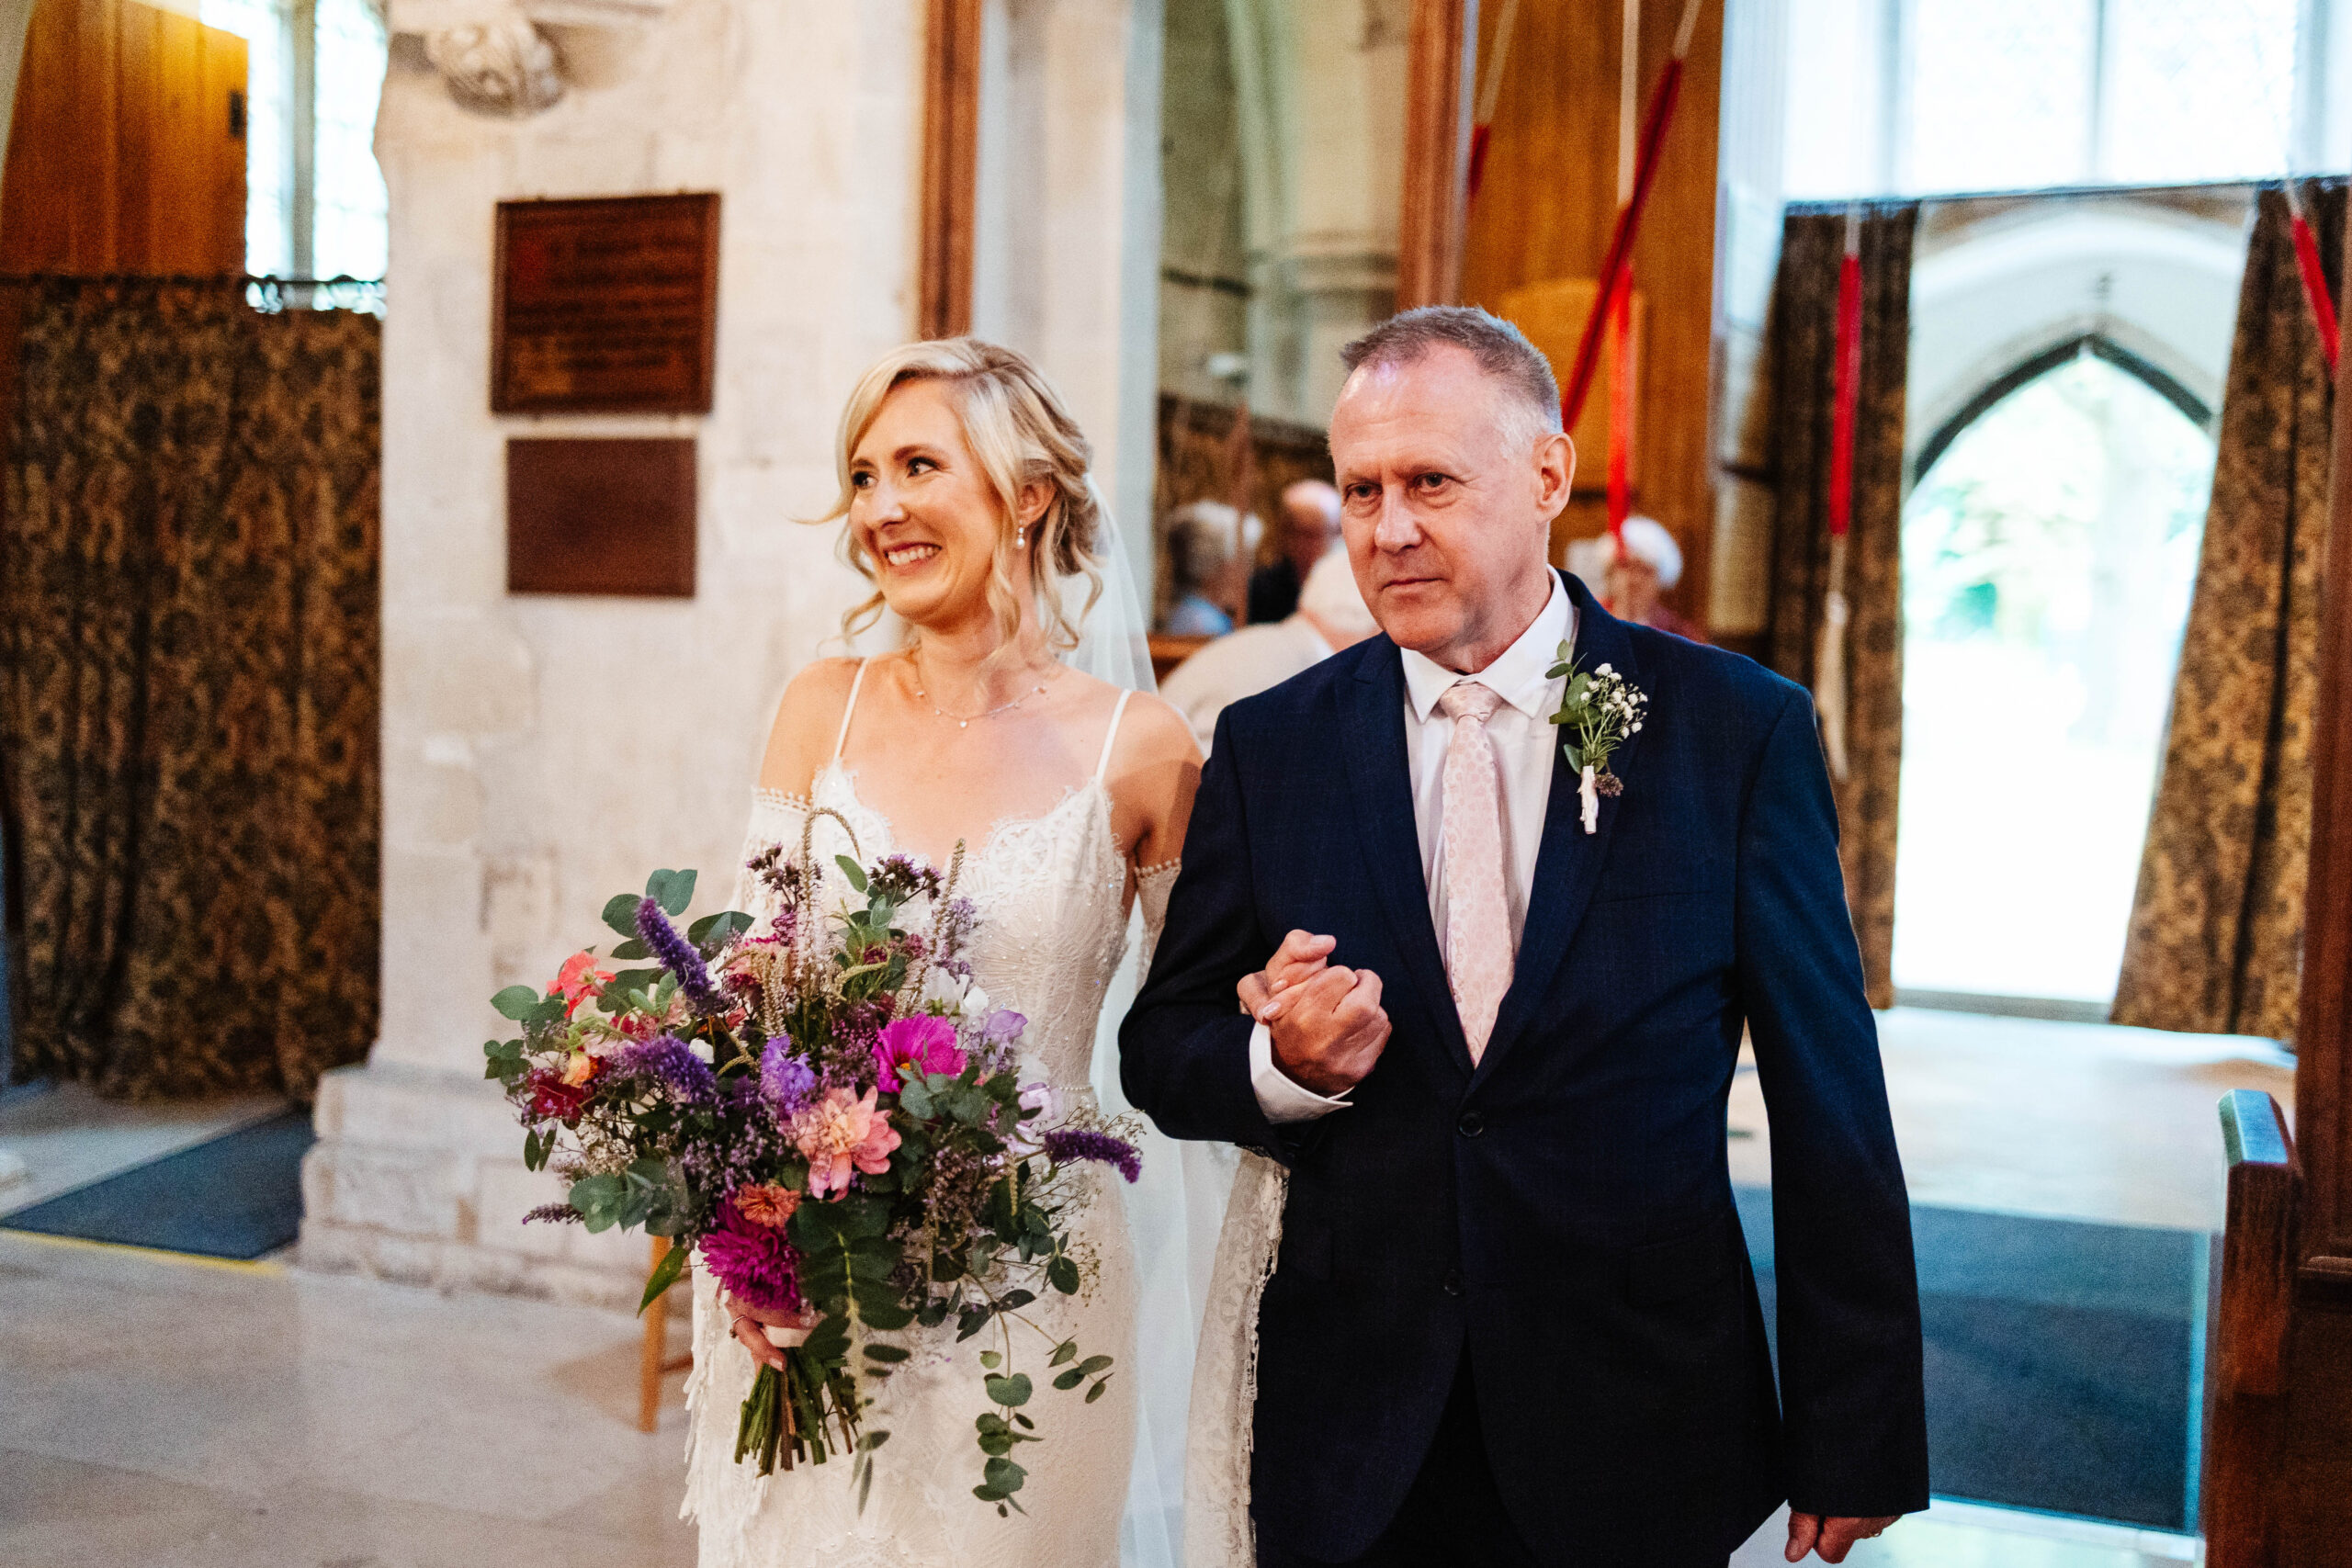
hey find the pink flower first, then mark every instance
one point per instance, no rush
(578, 980)
(842, 1132)
(923, 1042)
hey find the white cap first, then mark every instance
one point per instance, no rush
(1648, 540)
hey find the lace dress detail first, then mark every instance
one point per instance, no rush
(1052, 895)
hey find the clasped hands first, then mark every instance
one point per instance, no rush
(1325, 1019)
(1328, 1030)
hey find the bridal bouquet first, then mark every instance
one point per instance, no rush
(827, 1111)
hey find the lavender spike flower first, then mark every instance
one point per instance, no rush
(1065, 1146)
(669, 1059)
(678, 958)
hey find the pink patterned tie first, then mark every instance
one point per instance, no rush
(1478, 916)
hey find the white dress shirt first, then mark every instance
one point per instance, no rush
(1525, 742)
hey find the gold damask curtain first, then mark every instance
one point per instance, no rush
(1803, 348)
(189, 687)
(2217, 925)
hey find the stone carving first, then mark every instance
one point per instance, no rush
(503, 65)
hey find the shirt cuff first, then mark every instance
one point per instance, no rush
(1281, 1097)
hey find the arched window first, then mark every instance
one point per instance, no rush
(2049, 550)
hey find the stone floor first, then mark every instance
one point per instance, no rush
(162, 1413)
(173, 1413)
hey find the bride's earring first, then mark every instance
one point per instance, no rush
(1021, 537)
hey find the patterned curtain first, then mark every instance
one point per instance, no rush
(2217, 925)
(1803, 348)
(188, 677)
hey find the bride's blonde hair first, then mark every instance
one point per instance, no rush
(1016, 425)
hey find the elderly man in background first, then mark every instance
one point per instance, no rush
(1310, 530)
(1330, 615)
(1206, 540)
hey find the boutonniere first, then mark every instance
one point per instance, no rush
(1599, 711)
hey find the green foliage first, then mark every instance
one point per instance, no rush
(620, 913)
(673, 890)
(518, 1002)
(665, 1274)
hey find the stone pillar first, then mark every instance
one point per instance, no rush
(543, 753)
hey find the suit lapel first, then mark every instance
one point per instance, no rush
(1568, 862)
(1380, 780)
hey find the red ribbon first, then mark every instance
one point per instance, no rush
(1848, 396)
(2315, 292)
(1621, 412)
(1621, 241)
(1478, 135)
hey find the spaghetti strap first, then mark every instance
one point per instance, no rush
(848, 708)
(1103, 765)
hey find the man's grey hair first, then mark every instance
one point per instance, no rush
(1501, 350)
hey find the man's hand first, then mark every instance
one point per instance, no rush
(749, 1333)
(1833, 1537)
(1301, 957)
(1328, 1030)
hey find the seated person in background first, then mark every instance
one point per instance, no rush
(1330, 616)
(1204, 538)
(1630, 582)
(1309, 529)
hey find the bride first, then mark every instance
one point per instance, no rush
(965, 486)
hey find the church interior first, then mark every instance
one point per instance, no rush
(409, 411)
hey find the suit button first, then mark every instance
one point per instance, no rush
(1453, 1282)
(1471, 1124)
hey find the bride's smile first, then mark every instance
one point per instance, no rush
(924, 511)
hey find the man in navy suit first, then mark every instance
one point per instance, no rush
(1491, 1034)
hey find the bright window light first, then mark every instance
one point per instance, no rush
(2048, 559)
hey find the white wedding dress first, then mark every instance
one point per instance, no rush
(1053, 898)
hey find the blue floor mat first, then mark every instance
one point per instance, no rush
(2063, 1358)
(239, 1195)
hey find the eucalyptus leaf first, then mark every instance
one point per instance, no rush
(518, 1002)
(620, 913)
(1013, 1391)
(633, 948)
(673, 890)
(852, 871)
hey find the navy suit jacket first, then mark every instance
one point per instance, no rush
(1562, 1210)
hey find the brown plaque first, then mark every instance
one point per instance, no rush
(601, 516)
(606, 305)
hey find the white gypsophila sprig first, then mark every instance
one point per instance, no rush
(1599, 711)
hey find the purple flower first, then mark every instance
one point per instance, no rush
(678, 957)
(1003, 1026)
(756, 1265)
(671, 1060)
(1065, 1146)
(922, 1043)
(785, 1080)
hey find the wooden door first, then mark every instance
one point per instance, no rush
(126, 151)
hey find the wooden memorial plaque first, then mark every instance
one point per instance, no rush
(608, 305)
(601, 516)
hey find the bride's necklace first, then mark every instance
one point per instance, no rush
(965, 721)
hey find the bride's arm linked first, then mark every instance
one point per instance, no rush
(1185, 1048)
